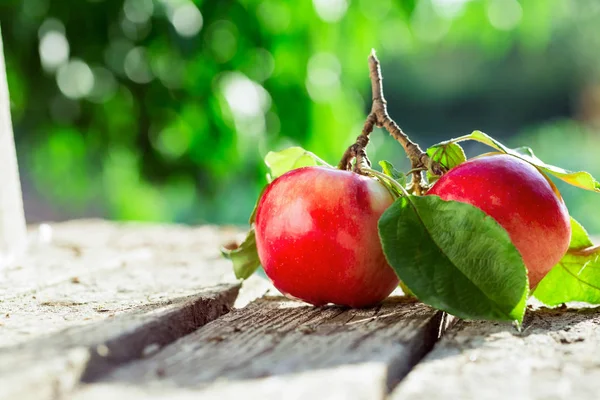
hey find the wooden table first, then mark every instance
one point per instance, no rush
(99, 310)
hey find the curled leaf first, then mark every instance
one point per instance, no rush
(580, 179)
(388, 169)
(280, 162)
(577, 275)
(244, 257)
(447, 154)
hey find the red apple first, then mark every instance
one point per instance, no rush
(521, 200)
(316, 234)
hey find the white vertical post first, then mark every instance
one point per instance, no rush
(12, 218)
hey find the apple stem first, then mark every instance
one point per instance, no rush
(379, 117)
(392, 182)
(586, 251)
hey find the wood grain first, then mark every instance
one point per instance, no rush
(90, 295)
(278, 348)
(85, 271)
(556, 356)
(53, 365)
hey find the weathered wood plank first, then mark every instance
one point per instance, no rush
(65, 250)
(555, 357)
(277, 348)
(90, 295)
(53, 365)
(12, 218)
(90, 270)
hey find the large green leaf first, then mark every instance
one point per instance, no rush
(580, 179)
(577, 276)
(454, 257)
(280, 162)
(447, 154)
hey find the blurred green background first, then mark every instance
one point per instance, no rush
(163, 109)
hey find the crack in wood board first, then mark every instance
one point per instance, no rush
(265, 351)
(554, 357)
(53, 366)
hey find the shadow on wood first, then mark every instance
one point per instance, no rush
(554, 357)
(343, 352)
(53, 365)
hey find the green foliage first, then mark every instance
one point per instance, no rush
(578, 148)
(580, 179)
(244, 257)
(173, 125)
(280, 162)
(388, 169)
(447, 154)
(455, 258)
(576, 277)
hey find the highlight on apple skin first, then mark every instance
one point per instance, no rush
(521, 200)
(317, 240)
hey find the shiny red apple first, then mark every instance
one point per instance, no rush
(317, 240)
(521, 200)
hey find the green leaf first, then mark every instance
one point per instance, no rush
(253, 214)
(447, 154)
(245, 257)
(388, 169)
(455, 258)
(577, 275)
(407, 292)
(580, 179)
(280, 162)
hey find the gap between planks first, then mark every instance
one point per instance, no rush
(54, 365)
(556, 357)
(278, 347)
(91, 288)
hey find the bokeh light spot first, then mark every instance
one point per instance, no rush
(137, 67)
(138, 11)
(449, 9)
(54, 50)
(274, 15)
(504, 14)
(222, 40)
(323, 77)
(375, 10)
(331, 10)
(115, 53)
(75, 79)
(169, 68)
(187, 20)
(259, 64)
(245, 97)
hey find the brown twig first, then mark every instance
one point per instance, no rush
(586, 251)
(379, 117)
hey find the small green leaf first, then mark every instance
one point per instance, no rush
(454, 257)
(580, 179)
(388, 169)
(245, 257)
(253, 214)
(280, 162)
(447, 154)
(576, 277)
